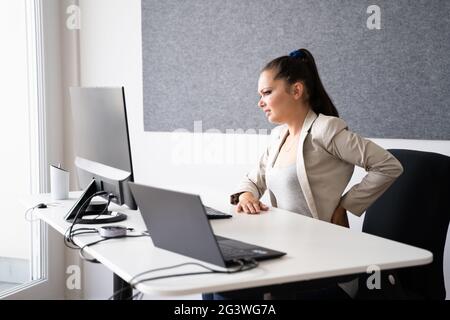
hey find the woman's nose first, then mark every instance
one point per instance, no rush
(261, 103)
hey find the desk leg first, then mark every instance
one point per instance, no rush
(124, 288)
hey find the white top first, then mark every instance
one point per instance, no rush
(315, 249)
(285, 190)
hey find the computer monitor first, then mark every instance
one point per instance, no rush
(103, 156)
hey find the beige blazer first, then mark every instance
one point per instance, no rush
(327, 154)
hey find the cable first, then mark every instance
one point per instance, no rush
(241, 269)
(244, 265)
(138, 296)
(75, 233)
(81, 209)
(30, 219)
(38, 206)
(110, 197)
(101, 240)
(90, 244)
(241, 263)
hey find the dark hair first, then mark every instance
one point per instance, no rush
(300, 66)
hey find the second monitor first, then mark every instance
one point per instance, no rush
(103, 155)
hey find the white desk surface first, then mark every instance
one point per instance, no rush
(315, 249)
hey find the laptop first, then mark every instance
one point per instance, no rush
(177, 222)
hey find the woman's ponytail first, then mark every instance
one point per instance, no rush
(300, 65)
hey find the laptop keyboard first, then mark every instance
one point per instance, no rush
(215, 214)
(233, 252)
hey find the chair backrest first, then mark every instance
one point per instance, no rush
(416, 210)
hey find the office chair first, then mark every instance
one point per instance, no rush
(415, 210)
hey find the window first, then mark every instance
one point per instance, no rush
(21, 143)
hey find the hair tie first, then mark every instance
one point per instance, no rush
(297, 54)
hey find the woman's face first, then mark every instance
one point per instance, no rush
(278, 100)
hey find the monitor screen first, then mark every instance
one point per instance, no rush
(102, 145)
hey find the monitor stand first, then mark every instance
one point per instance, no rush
(96, 214)
(88, 212)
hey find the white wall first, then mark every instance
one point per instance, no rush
(110, 46)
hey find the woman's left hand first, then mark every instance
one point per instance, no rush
(340, 217)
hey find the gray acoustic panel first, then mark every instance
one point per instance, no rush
(201, 62)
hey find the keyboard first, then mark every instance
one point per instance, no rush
(216, 214)
(230, 253)
(233, 249)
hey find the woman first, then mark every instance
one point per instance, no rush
(311, 157)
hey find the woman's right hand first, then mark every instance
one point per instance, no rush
(249, 204)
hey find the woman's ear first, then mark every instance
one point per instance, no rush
(297, 90)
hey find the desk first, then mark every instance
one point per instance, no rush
(315, 250)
